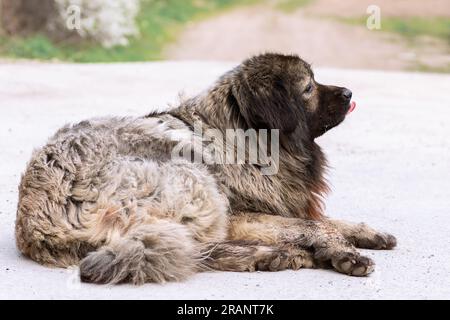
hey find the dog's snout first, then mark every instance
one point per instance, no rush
(347, 94)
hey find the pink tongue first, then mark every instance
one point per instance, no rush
(352, 107)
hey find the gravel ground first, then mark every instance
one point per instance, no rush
(390, 168)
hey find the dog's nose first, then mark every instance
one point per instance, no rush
(347, 94)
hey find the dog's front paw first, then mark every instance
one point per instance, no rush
(353, 264)
(376, 241)
(368, 238)
(385, 241)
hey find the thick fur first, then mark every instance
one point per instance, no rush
(107, 195)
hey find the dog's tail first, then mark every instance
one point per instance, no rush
(157, 252)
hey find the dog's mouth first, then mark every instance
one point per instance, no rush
(341, 118)
(351, 107)
(336, 118)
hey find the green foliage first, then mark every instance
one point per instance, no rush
(426, 68)
(292, 5)
(411, 27)
(37, 47)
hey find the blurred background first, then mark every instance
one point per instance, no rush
(411, 35)
(389, 160)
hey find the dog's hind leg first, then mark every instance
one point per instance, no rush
(160, 236)
(327, 243)
(242, 256)
(152, 251)
(363, 236)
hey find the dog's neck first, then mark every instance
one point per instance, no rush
(215, 108)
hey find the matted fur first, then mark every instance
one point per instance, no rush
(106, 194)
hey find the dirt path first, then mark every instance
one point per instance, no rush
(322, 41)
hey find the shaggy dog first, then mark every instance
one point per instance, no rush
(108, 194)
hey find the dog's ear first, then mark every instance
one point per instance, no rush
(265, 102)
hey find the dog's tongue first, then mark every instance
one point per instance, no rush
(352, 107)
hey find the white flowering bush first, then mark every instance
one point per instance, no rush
(109, 22)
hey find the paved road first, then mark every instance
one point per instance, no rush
(390, 168)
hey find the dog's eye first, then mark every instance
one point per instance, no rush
(308, 88)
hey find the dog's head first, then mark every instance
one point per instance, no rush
(275, 91)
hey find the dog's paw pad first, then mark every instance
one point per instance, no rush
(275, 261)
(275, 264)
(354, 265)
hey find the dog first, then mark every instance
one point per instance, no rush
(109, 195)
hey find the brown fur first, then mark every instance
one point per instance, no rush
(106, 194)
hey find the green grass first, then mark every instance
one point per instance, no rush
(159, 22)
(292, 5)
(410, 29)
(420, 67)
(413, 27)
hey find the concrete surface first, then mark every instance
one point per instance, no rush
(390, 168)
